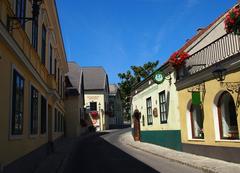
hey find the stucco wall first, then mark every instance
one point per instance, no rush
(139, 102)
(99, 98)
(16, 52)
(210, 124)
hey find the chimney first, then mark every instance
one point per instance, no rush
(199, 30)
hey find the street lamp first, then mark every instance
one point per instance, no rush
(35, 13)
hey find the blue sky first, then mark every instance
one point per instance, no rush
(116, 34)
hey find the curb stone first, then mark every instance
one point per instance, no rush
(214, 166)
(175, 160)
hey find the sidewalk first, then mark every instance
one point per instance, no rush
(204, 163)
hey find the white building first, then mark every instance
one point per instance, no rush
(96, 90)
(115, 107)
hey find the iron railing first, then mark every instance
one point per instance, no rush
(219, 50)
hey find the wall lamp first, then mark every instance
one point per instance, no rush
(35, 13)
(219, 73)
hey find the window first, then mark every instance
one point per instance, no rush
(50, 59)
(55, 120)
(149, 111)
(58, 79)
(34, 111)
(197, 121)
(58, 121)
(55, 68)
(35, 34)
(17, 104)
(63, 87)
(93, 106)
(43, 115)
(228, 125)
(44, 37)
(162, 105)
(20, 11)
(60, 84)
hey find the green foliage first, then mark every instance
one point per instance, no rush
(129, 79)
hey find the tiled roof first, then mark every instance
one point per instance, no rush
(198, 35)
(74, 75)
(95, 78)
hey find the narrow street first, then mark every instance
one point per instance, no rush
(104, 153)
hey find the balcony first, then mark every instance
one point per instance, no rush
(223, 48)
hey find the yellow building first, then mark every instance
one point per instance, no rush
(96, 92)
(208, 87)
(156, 99)
(32, 69)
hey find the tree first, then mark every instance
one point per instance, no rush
(128, 80)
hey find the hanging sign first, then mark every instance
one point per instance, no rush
(196, 98)
(155, 112)
(158, 77)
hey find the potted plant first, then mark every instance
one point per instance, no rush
(178, 58)
(232, 21)
(94, 114)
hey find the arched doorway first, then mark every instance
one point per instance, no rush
(228, 125)
(136, 130)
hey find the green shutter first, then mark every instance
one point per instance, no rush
(196, 99)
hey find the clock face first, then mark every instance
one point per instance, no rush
(158, 77)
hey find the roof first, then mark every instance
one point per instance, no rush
(75, 75)
(198, 35)
(95, 78)
(113, 89)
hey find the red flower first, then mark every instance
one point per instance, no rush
(232, 21)
(178, 58)
(94, 114)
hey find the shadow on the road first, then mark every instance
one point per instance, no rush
(95, 155)
(98, 134)
(119, 126)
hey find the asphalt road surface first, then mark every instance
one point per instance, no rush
(103, 153)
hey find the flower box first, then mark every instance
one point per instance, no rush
(178, 58)
(232, 21)
(94, 114)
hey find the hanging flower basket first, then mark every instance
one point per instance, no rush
(94, 114)
(232, 21)
(178, 58)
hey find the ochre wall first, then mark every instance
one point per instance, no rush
(210, 124)
(14, 147)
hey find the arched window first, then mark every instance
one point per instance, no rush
(197, 121)
(228, 126)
